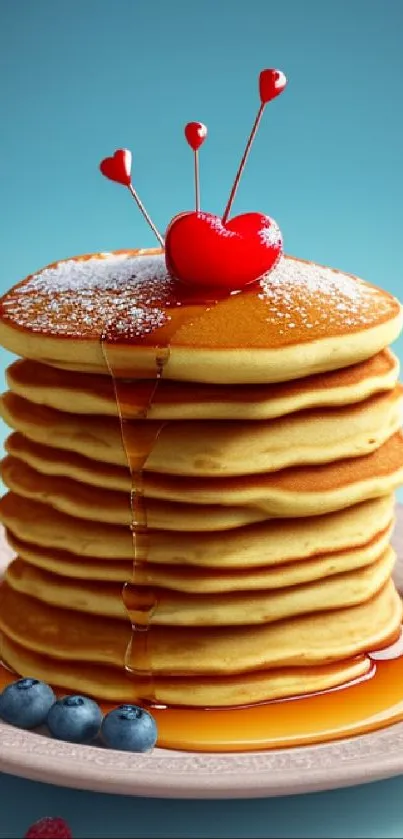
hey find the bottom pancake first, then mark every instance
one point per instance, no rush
(113, 685)
(305, 640)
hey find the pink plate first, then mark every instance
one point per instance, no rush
(171, 774)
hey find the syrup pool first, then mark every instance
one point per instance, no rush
(367, 705)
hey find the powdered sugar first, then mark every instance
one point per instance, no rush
(311, 296)
(128, 293)
(146, 275)
(271, 236)
(83, 297)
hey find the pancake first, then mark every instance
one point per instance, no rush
(302, 641)
(83, 393)
(195, 610)
(255, 490)
(219, 504)
(273, 543)
(62, 462)
(201, 581)
(79, 500)
(114, 685)
(300, 319)
(219, 448)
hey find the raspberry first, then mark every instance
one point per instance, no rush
(49, 828)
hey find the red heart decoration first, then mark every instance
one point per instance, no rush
(118, 167)
(202, 251)
(195, 133)
(271, 84)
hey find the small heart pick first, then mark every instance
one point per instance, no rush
(118, 167)
(271, 84)
(195, 133)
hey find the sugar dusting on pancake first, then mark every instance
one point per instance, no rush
(133, 294)
(295, 291)
(83, 297)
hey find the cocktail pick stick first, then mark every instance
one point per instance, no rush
(196, 133)
(118, 168)
(271, 84)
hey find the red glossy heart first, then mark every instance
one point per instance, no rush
(202, 251)
(118, 167)
(271, 84)
(195, 133)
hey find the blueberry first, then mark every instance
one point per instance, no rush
(129, 728)
(76, 719)
(26, 703)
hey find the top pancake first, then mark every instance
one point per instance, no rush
(298, 320)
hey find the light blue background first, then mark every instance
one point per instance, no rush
(78, 80)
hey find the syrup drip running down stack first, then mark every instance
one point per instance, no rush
(140, 601)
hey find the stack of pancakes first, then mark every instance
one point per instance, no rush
(268, 486)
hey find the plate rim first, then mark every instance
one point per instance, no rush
(170, 774)
(206, 775)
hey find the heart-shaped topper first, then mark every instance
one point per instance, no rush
(271, 84)
(203, 251)
(118, 167)
(195, 133)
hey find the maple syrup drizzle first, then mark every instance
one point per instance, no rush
(139, 439)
